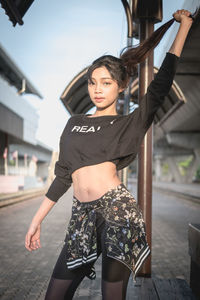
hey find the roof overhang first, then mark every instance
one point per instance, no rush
(16, 9)
(10, 71)
(75, 96)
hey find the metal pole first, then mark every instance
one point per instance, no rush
(126, 112)
(124, 173)
(145, 71)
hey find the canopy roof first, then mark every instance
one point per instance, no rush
(10, 71)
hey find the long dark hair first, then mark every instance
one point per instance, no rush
(131, 56)
(122, 68)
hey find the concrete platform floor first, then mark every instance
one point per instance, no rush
(25, 275)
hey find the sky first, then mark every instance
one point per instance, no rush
(57, 41)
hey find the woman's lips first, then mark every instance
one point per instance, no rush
(98, 99)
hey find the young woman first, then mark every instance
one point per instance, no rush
(105, 217)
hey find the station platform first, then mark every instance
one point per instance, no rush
(25, 275)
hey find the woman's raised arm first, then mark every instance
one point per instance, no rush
(161, 84)
(183, 17)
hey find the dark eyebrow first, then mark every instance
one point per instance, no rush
(104, 78)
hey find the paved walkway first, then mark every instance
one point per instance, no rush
(25, 275)
(187, 191)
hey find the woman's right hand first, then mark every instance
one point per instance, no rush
(182, 14)
(32, 239)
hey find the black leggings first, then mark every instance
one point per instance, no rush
(115, 275)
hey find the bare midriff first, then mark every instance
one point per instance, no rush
(92, 182)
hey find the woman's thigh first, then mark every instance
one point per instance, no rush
(64, 282)
(61, 270)
(115, 276)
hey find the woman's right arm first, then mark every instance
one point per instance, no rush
(58, 187)
(32, 239)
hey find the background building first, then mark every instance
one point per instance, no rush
(24, 160)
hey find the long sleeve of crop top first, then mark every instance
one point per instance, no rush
(62, 181)
(157, 90)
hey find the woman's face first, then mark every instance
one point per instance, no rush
(103, 90)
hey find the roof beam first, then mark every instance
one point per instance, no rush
(16, 9)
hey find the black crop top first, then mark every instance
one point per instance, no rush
(91, 140)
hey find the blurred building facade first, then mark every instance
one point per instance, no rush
(23, 159)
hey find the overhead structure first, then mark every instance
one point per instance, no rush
(16, 9)
(75, 96)
(144, 9)
(10, 71)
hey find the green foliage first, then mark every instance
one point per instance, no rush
(184, 165)
(198, 173)
(165, 168)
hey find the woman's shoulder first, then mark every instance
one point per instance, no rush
(74, 118)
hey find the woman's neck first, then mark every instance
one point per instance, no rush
(104, 112)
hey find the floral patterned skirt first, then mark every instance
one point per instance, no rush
(124, 231)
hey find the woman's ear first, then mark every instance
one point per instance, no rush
(121, 90)
(124, 85)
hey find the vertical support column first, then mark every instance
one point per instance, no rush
(158, 169)
(4, 150)
(172, 160)
(127, 94)
(124, 172)
(146, 28)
